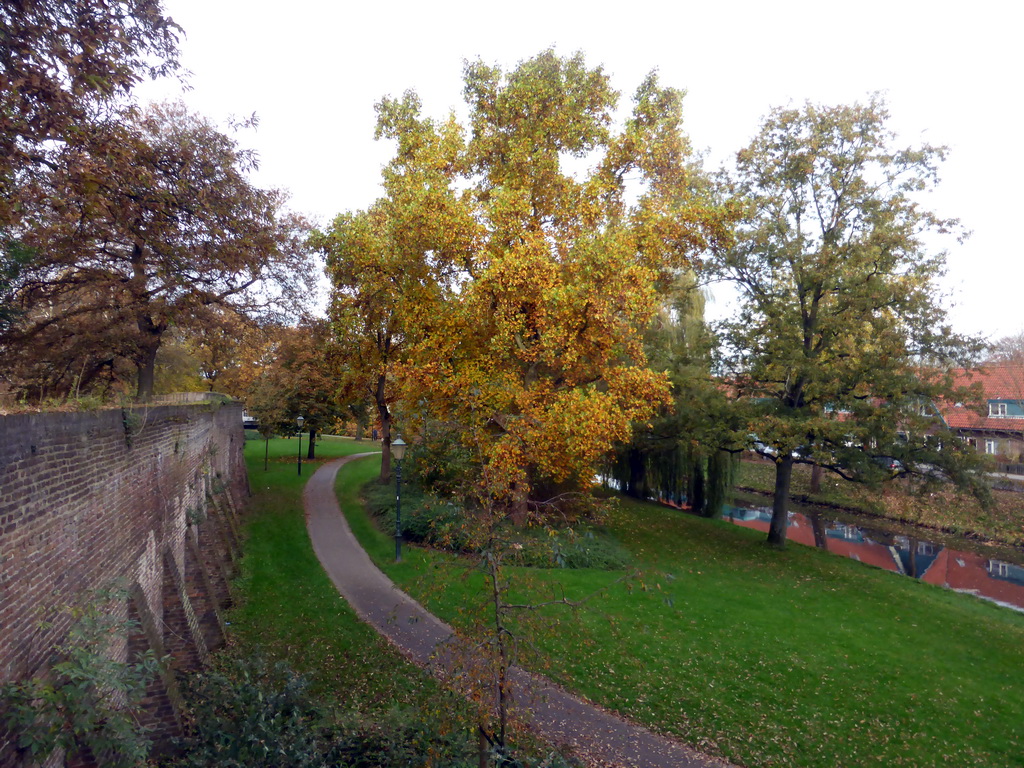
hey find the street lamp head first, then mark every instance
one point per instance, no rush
(299, 420)
(398, 449)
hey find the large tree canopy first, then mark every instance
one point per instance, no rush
(840, 346)
(378, 270)
(154, 227)
(63, 63)
(528, 248)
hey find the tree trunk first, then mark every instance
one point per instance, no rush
(519, 508)
(637, 471)
(820, 537)
(385, 429)
(815, 479)
(385, 443)
(311, 451)
(780, 504)
(482, 754)
(146, 363)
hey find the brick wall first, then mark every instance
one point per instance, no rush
(146, 496)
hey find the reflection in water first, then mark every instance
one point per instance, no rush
(996, 580)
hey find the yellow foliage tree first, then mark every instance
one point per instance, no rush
(518, 260)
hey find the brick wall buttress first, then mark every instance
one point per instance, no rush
(147, 497)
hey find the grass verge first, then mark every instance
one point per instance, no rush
(768, 658)
(287, 608)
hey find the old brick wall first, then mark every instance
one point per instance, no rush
(148, 498)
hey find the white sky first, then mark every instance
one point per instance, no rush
(312, 70)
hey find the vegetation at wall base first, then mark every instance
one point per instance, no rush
(301, 671)
(88, 705)
(766, 657)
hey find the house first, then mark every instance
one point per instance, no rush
(999, 429)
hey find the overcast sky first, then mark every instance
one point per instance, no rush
(313, 69)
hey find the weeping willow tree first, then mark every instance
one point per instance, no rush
(686, 455)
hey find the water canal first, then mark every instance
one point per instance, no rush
(963, 566)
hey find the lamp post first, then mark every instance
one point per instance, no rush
(398, 451)
(299, 420)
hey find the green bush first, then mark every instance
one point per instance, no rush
(428, 520)
(88, 705)
(570, 548)
(245, 714)
(399, 741)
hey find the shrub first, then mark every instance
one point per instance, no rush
(399, 740)
(570, 548)
(429, 520)
(88, 705)
(246, 714)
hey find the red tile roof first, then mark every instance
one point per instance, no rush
(968, 572)
(998, 382)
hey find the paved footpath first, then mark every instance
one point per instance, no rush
(597, 737)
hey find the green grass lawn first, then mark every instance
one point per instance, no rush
(287, 607)
(793, 658)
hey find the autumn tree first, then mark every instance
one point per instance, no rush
(305, 370)
(223, 346)
(65, 64)
(545, 232)
(177, 369)
(65, 67)
(162, 231)
(379, 271)
(282, 372)
(518, 258)
(840, 345)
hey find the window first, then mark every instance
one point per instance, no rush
(998, 568)
(992, 447)
(997, 409)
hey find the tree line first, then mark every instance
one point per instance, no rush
(548, 321)
(525, 300)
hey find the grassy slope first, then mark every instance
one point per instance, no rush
(796, 658)
(288, 609)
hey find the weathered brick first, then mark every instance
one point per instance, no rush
(85, 508)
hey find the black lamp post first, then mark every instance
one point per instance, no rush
(299, 420)
(398, 451)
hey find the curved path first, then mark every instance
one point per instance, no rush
(597, 737)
